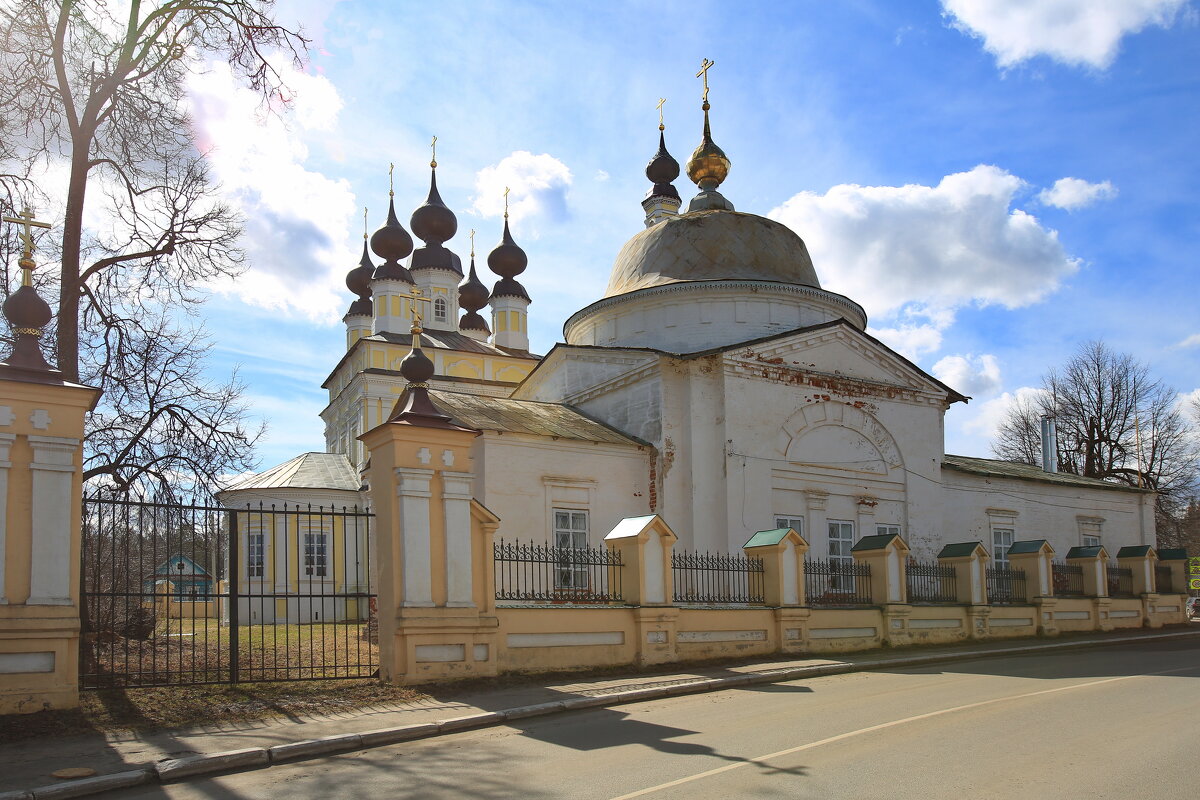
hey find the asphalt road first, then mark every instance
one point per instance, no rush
(1113, 722)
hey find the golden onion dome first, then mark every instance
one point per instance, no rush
(708, 166)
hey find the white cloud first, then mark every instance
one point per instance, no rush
(298, 222)
(601, 175)
(905, 251)
(974, 376)
(1074, 32)
(538, 187)
(992, 412)
(1190, 341)
(1073, 193)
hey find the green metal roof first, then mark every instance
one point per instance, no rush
(959, 550)
(1134, 550)
(1084, 552)
(1027, 546)
(876, 542)
(1027, 472)
(1173, 554)
(767, 538)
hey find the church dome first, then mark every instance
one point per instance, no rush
(712, 245)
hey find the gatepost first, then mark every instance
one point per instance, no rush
(782, 552)
(41, 492)
(1140, 560)
(433, 541)
(1094, 559)
(1033, 556)
(644, 545)
(886, 554)
(1181, 581)
(969, 560)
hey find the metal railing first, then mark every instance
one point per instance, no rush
(1005, 585)
(717, 578)
(1162, 579)
(1120, 581)
(930, 583)
(1067, 578)
(546, 574)
(836, 583)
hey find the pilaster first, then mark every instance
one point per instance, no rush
(886, 554)
(645, 545)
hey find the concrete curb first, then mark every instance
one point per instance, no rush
(216, 763)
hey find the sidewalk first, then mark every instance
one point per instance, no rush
(26, 765)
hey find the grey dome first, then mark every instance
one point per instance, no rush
(712, 245)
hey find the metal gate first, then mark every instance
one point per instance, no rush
(198, 593)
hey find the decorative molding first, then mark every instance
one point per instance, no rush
(7, 417)
(40, 419)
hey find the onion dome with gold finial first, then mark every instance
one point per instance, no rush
(392, 243)
(709, 166)
(508, 261)
(434, 223)
(358, 281)
(472, 296)
(661, 170)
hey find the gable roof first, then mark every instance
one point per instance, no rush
(527, 416)
(953, 396)
(305, 471)
(993, 468)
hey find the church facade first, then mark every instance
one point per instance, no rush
(715, 384)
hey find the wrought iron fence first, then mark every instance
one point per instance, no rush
(1162, 579)
(1067, 578)
(547, 574)
(1120, 581)
(176, 593)
(836, 583)
(930, 583)
(717, 578)
(1005, 585)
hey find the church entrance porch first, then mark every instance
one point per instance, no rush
(177, 593)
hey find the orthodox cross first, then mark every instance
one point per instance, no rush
(25, 220)
(417, 297)
(661, 100)
(433, 146)
(472, 242)
(506, 191)
(704, 65)
(391, 186)
(364, 223)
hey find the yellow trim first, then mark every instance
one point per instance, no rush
(501, 321)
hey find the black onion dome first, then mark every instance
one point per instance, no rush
(507, 260)
(472, 321)
(507, 287)
(661, 170)
(24, 308)
(416, 366)
(472, 293)
(358, 280)
(433, 222)
(392, 243)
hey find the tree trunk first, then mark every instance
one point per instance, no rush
(68, 301)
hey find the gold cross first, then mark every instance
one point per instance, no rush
(364, 223)
(433, 145)
(661, 100)
(704, 65)
(417, 297)
(506, 191)
(391, 186)
(472, 242)
(25, 219)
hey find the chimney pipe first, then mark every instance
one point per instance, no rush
(1049, 445)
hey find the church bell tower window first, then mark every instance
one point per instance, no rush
(439, 309)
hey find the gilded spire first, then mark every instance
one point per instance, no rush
(708, 166)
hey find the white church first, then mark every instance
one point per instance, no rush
(715, 383)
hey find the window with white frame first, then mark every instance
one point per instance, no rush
(887, 530)
(255, 555)
(841, 539)
(315, 551)
(1002, 539)
(570, 533)
(795, 523)
(1089, 531)
(439, 309)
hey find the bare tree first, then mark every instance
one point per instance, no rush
(93, 90)
(1114, 421)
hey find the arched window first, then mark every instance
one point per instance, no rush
(439, 309)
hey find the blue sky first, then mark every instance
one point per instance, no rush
(919, 148)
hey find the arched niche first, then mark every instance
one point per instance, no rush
(840, 437)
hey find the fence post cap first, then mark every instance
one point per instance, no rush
(1095, 551)
(964, 550)
(1137, 551)
(640, 528)
(1030, 546)
(774, 538)
(881, 541)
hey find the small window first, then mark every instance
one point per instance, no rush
(1091, 540)
(1002, 539)
(439, 309)
(795, 523)
(254, 555)
(315, 554)
(887, 530)
(570, 533)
